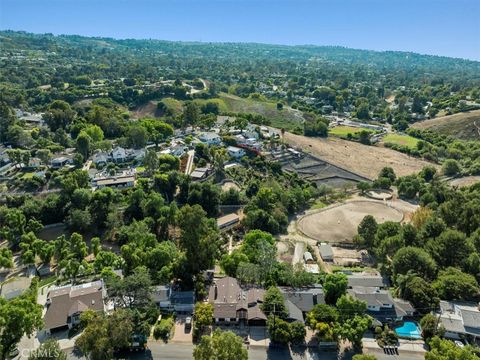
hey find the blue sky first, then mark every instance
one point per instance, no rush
(438, 27)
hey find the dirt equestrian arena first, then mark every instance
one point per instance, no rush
(338, 224)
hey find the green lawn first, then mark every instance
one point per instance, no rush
(28, 175)
(318, 204)
(222, 107)
(174, 105)
(403, 140)
(286, 118)
(343, 131)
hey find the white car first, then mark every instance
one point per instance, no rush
(459, 343)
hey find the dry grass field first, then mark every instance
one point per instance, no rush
(355, 157)
(465, 126)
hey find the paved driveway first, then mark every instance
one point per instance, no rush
(258, 336)
(181, 335)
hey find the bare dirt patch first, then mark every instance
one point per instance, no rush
(361, 159)
(148, 110)
(338, 224)
(227, 185)
(465, 181)
(350, 257)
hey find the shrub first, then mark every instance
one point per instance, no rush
(162, 330)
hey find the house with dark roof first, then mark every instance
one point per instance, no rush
(65, 304)
(182, 302)
(460, 319)
(300, 301)
(61, 161)
(233, 304)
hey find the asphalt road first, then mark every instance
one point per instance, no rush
(185, 352)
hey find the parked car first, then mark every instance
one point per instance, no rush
(188, 323)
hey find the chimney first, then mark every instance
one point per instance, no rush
(216, 292)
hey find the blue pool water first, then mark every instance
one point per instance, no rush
(409, 329)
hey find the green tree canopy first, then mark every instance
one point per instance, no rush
(335, 286)
(414, 259)
(222, 345)
(453, 284)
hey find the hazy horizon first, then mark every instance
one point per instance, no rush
(377, 25)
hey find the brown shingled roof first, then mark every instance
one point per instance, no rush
(69, 300)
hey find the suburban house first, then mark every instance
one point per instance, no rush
(183, 302)
(118, 155)
(300, 301)
(381, 305)
(210, 138)
(253, 144)
(65, 304)
(33, 118)
(460, 320)
(170, 300)
(176, 150)
(60, 162)
(124, 179)
(236, 152)
(161, 296)
(233, 304)
(201, 173)
(100, 158)
(367, 280)
(15, 287)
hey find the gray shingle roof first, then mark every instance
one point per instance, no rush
(366, 280)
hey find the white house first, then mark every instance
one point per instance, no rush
(119, 154)
(210, 138)
(460, 319)
(236, 152)
(100, 158)
(240, 139)
(178, 150)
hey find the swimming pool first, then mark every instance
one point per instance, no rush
(409, 329)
